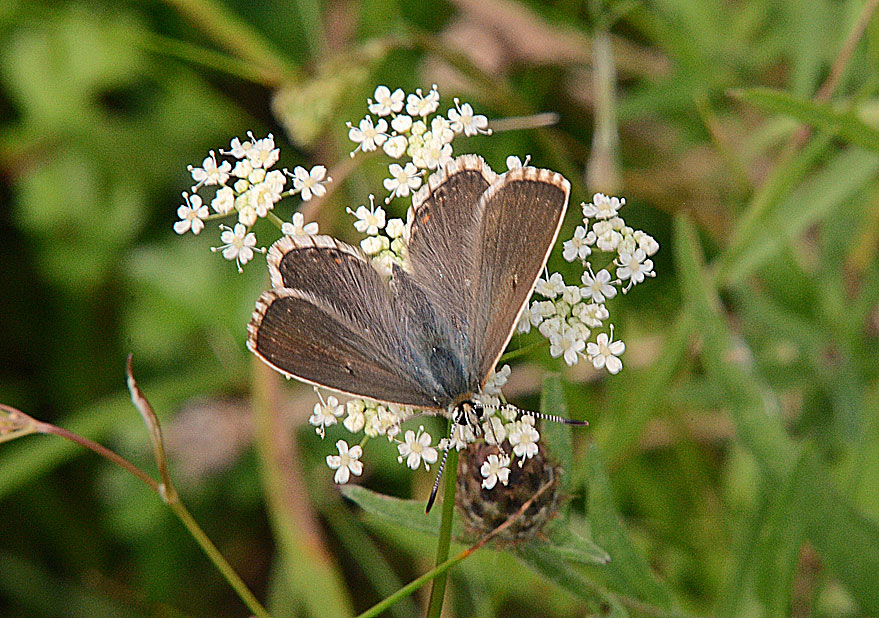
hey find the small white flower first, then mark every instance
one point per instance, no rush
(242, 169)
(346, 462)
(634, 267)
(567, 344)
(386, 101)
(571, 295)
(395, 228)
(464, 121)
(296, 228)
(603, 207)
(310, 183)
(462, 435)
(210, 173)
(605, 236)
(495, 468)
(263, 197)
(238, 244)
(356, 418)
(552, 287)
(514, 162)
(493, 429)
(523, 437)
(604, 352)
(646, 242)
(422, 105)
(551, 326)
(256, 175)
(396, 146)
(367, 135)
(373, 245)
(592, 314)
(239, 149)
(541, 310)
(435, 153)
(402, 180)
(326, 413)
(384, 422)
(418, 128)
(598, 287)
(246, 213)
(496, 380)
(191, 214)
(441, 129)
(369, 220)
(401, 123)
(263, 153)
(416, 447)
(224, 201)
(576, 248)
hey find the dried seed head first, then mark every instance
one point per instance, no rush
(484, 510)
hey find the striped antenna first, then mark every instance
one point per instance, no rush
(439, 473)
(541, 415)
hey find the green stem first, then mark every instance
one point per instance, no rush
(169, 497)
(437, 592)
(207, 58)
(236, 35)
(217, 558)
(525, 349)
(438, 573)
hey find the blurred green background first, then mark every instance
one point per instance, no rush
(740, 443)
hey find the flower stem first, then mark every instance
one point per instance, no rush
(525, 349)
(442, 567)
(437, 592)
(217, 558)
(169, 497)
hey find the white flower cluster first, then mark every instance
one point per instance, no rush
(570, 312)
(384, 241)
(248, 190)
(499, 423)
(414, 134)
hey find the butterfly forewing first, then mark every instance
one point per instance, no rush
(521, 217)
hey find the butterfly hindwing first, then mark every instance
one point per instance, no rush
(332, 321)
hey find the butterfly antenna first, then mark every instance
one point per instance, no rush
(557, 419)
(439, 473)
(541, 415)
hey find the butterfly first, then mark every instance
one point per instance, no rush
(428, 333)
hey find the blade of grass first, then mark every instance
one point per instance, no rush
(838, 531)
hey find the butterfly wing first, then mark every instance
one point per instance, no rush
(522, 213)
(443, 236)
(332, 320)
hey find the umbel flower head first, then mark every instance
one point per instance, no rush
(418, 138)
(490, 493)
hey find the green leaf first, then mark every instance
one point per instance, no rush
(827, 191)
(556, 569)
(570, 545)
(628, 570)
(822, 116)
(408, 513)
(557, 435)
(840, 533)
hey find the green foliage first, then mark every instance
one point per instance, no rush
(731, 469)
